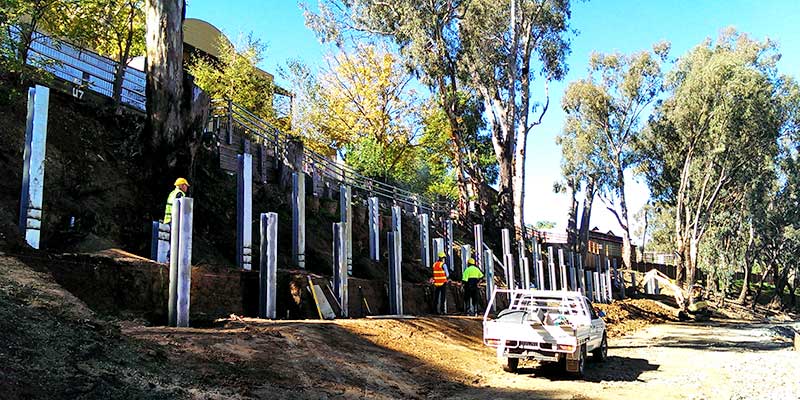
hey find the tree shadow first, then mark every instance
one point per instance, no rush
(711, 343)
(728, 336)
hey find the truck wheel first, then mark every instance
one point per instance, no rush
(511, 364)
(563, 363)
(601, 353)
(581, 363)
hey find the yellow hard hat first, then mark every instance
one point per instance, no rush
(441, 254)
(471, 261)
(181, 181)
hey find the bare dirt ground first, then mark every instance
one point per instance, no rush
(54, 347)
(443, 358)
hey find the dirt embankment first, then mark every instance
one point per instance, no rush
(53, 346)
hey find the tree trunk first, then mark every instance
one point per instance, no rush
(748, 266)
(623, 221)
(586, 214)
(164, 69)
(644, 235)
(766, 273)
(780, 285)
(505, 198)
(119, 74)
(176, 108)
(691, 266)
(572, 217)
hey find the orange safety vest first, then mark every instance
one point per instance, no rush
(439, 277)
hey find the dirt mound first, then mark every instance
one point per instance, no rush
(626, 316)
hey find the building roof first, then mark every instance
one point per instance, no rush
(203, 36)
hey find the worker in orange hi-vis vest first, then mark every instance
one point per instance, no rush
(439, 281)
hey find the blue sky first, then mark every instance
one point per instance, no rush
(604, 26)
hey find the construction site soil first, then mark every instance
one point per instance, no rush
(54, 347)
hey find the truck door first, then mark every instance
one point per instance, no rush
(596, 331)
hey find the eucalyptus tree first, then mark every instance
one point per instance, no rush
(604, 113)
(496, 49)
(176, 109)
(581, 172)
(426, 35)
(715, 132)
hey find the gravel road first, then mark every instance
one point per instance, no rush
(671, 361)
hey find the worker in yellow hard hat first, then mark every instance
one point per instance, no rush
(471, 277)
(181, 187)
(439, 284)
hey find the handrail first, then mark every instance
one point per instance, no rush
(85, 68)
(339, 172)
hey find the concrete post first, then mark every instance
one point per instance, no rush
(489, 273)
(268, 266)
(466, 252)
(346, 213)
(340, 271)
(244, 212)
(32, 193)
(395, 277)
(526, 273)
(589, 286)
(425, 239)
(582, 274)
(299, 219)
(478, 231)
(601, 283)
(449, 245)
(154, 240)
(536, 257)
(609, 287)
(551, 268)
(397, 228)
(505, 237)
(374, 229)
(596, 286)
(562, 269)
(159, 248)
(180, 272)
(573, 284)
(540, 272)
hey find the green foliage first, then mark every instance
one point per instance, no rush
(712, 143)
(604, 111)
(236, 76)
(486, 47)
(117, 28)
(360, 106)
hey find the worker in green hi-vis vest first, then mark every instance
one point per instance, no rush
(181, 186)
(471, 277)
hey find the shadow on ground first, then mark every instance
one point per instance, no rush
(614, 369)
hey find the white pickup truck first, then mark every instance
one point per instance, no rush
(545, 325)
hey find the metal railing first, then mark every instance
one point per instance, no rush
(84, 68)
(227, 112)
(89, 70)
